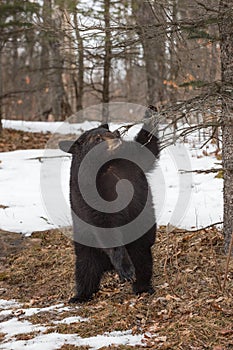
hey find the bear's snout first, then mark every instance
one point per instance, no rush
(113, 144)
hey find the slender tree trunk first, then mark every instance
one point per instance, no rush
(212, 78)
(79, 83)
(52, 61)
(45, 104)
(107, 61)
(15, 58)
(59, 98)
(226, 41)
(174, 66)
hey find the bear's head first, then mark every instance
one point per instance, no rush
(92, 138)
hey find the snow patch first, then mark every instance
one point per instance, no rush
(53, 341)
(17, 325)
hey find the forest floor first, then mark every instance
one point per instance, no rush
(190, 309)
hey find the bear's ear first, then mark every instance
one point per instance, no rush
(105, 126)
(150, 111)
(117, 133)
(67, 146)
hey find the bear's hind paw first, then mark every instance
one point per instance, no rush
(148, 289)
(79, 299)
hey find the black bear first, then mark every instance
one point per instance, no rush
(126, 241)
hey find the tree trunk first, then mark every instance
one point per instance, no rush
(213, 76)
(55, 99)
(79, 83)
(226, 41)
(174, 65)
(61, 106)
(153, 47)
(45, 105)
(107, 60)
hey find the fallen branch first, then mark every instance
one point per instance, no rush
(206, 227)
(202, 171)
(43, 157)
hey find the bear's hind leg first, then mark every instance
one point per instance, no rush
(88, 273)
(143, 263)
(122, 263)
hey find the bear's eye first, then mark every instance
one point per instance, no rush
(98, 138)
(117, 134)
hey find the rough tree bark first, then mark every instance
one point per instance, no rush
(226, 41)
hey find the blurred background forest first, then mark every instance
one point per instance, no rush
(60, 56)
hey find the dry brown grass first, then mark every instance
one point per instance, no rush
(189, 310)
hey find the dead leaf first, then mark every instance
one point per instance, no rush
(226, 331)
(160, 339)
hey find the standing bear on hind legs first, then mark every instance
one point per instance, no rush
(112, 211)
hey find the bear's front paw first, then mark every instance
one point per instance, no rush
(127, 274)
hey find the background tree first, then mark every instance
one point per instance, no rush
(107, 60)
(78, 78)
(226, 41)
(45, 107)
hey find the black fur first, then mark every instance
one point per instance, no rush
(132, 261)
